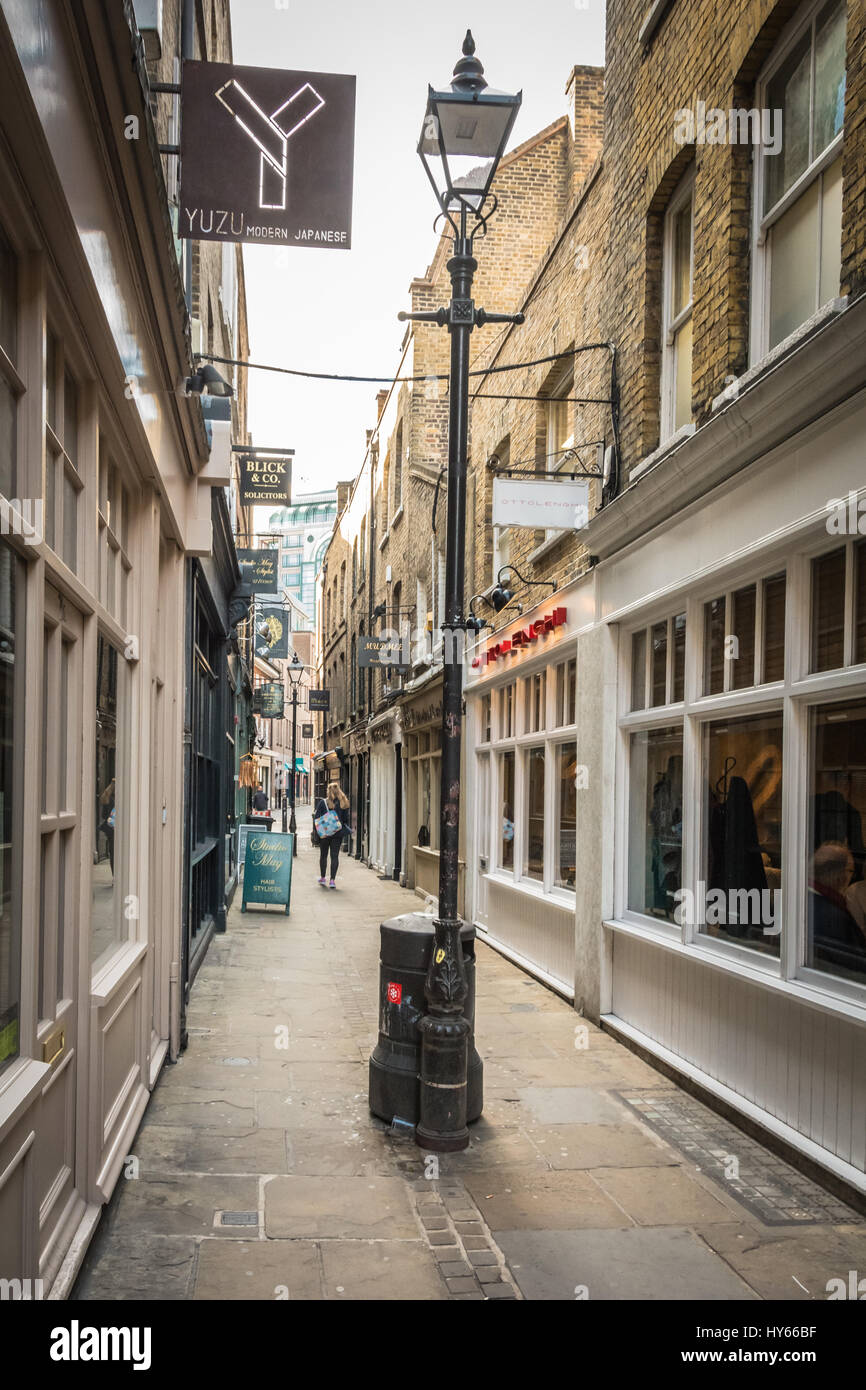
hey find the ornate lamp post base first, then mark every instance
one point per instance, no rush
(444, 1062)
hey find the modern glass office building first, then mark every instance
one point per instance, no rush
(304, 529)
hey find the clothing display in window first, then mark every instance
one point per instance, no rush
(736, 862)
(666, 843)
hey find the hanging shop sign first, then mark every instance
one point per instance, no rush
(268, 869)
(536, 503)
(271, 634)
(523, 637)
(264, 480)
(319, 699)
(383, 651)
(271, 696)
(308, 731)
(258, 570)
(267, 155)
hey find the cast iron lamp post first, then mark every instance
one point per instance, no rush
(465, 131)
(296, 670)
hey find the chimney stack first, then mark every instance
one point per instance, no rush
(585, 91)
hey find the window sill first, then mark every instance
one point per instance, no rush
(822, 1000)
(683, 433)
(531, 888)
(384, 541)
(546, 546)
(397, 517)
(828, 311)
(652, 21)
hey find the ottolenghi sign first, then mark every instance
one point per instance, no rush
(267, 155)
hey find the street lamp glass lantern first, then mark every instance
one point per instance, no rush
(466, 128)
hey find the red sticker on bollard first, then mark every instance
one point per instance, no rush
(395, 993)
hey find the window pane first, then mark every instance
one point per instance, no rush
(658, 679)
(714, 646)
(533, 866)
(860, 601)
(506, 720)
(655, 821)
(638, 670)
(506, 860)
(571, 691)
(10, 921)
(794, 249)
(836, 890)
(829, 76)
(70, 521)
(109, 926)
(8, 300)
(774, 628)
(743, 616)
(788, 91)
(50, 498)
(828, 611)
(7, 439)
(679, 626)
(565, 865)
(534, 694)
(831, 232)
(70, 417)
(742, 850)
(683, 370)
(51, 380)
(681, 276)
(485, 719)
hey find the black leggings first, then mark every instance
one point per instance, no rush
(332, 843)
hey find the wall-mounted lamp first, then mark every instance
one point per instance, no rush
(207, 381)
(503, 594)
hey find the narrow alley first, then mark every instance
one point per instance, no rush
(258, 1172)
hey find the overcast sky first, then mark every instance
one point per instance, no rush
(335, 311)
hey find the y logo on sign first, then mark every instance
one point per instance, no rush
(395, 992)
(271, 134)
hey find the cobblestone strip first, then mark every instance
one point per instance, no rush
(470, 1262)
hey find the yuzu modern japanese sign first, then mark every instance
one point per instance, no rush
(266, 155)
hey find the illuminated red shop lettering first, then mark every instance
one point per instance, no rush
(540, 628)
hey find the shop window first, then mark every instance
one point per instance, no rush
(109, 925)
(655, 821)
(63, 481)
(566, 693)
(10, 383)
(533, 860)
(799, 228)
(836, 870)
(506, 816)
(744, 637)
(739, 895)
(658, 663)
(565, 843)
(10, 910)
(678, 265)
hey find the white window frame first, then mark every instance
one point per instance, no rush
(793, 698)
(762, 223)
(519, 742)
(671, 324)
(562, 390)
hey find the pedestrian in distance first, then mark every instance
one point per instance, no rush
(260, 799)
(331, 815)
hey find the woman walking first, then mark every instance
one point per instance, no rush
(337, 804)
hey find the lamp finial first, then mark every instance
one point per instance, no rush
(468, 72)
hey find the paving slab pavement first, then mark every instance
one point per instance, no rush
(262, 1175)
